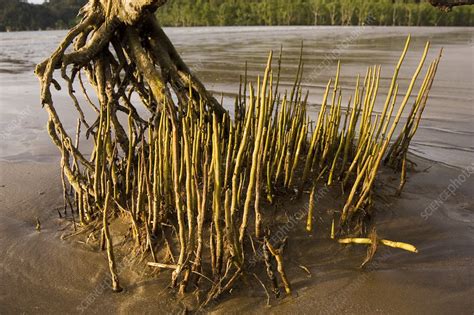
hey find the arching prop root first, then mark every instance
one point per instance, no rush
(186, 178)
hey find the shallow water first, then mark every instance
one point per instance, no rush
(218, 56)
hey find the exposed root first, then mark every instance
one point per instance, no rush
(368, 241)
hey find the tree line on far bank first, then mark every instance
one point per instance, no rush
(17, 15)
(311, 12)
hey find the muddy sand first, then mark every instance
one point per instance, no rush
(44, 274)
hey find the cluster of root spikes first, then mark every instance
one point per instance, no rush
(166, 156)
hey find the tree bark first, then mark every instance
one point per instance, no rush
(449, 4)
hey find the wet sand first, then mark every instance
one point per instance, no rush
(41, 273)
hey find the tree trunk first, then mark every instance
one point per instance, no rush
(449, 4)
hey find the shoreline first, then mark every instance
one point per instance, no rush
(270, 26)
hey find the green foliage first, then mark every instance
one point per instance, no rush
(310, 12)
(18, 15)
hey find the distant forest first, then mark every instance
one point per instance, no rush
(311, 12)
(18, 15)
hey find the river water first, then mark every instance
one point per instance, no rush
(218, 56)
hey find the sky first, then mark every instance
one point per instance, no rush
(36, 1)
